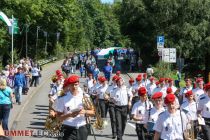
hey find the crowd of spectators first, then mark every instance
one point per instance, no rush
(15, 81)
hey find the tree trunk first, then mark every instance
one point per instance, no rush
(207, 67)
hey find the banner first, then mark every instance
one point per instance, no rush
(4, 18)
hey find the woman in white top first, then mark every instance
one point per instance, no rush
(190, 108)
(152, 114)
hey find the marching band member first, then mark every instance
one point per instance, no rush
(204, 111)
(71, 112)
(188, 87)
(145, 81)
(130, 89)
(161, 87)
(89, 82)
(197, 92)
(151, 86)
(190, 109)
(103, 104)
(171, 124)
(121, 107)
(136, 86)
(138, 112)
(171, 85)
(110, 99)
(170, 91)
(152, 114)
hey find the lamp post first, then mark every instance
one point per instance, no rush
(27, 26)
(37, 37)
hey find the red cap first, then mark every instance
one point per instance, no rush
(99, 78)
(58, 72)
(142, 91)
(170, 98)
(144, 75)
(138, 78)
(157, 95)
(139, 75)
(166, 79)
(170, 80)
(114, 78)
(118, 72)
(187, 94)
(151, 78)
(169, 90)
(199, 80)
(102, 79)
(131, 80)
(207, 86)
(118, 79)
(157, 83)
(161, 80)
(73, 79)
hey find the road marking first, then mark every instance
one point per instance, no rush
(132, 125)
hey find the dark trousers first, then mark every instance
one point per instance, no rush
(71, 133)
(140, 131)
(4, 115)
(206, 129)
(103, 108)
(113, 119)
(34, 80)
(121, 113)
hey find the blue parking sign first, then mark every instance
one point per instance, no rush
(160, 39)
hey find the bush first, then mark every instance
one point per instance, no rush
(163, 69)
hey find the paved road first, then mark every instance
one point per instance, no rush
(35, 111)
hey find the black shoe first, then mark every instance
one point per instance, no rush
(19, 103)
(113, 137)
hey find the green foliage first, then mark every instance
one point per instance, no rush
(163, 69)
(184, 23)
(83, 24)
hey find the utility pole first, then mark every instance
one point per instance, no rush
(12, 40)
(37, 37)
(27, 40)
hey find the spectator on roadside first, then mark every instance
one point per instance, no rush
(96, 72)
(107, 69)
(139, 62)
(149, 71)
(82, 70)
(19, 84)
(27, 79)
(35, 75)
(5, 103)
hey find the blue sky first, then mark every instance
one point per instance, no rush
(107, 1)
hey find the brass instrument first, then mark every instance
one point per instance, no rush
(189, 134)
(53, 124)
(88, 105)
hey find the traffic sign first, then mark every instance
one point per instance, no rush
(160, 42)
(169, 55)
(160, 39)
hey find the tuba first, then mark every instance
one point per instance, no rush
(190, 131)
(99, 124)
(53, 124)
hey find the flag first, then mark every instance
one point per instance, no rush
(5, 19)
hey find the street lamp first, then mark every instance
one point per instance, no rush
(37, 37)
